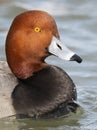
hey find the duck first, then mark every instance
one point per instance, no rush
(31, 87)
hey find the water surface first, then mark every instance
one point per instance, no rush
(77, 24)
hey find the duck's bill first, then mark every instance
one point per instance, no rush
(58, 49)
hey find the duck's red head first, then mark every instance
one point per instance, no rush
(27, 43)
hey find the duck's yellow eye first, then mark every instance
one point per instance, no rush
(37, 29)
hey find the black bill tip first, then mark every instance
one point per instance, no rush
(76, 58)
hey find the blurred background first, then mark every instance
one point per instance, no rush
(77, 25)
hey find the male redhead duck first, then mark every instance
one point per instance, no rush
(34, 88)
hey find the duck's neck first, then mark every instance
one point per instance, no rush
(25, 70)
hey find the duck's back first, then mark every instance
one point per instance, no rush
(7, 85)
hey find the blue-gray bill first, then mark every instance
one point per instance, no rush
(60, 50)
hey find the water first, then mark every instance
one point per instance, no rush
(77, 23)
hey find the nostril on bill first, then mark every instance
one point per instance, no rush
(59, 46)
